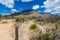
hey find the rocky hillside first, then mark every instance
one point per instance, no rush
(33, 14)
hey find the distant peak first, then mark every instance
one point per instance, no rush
(28, 10)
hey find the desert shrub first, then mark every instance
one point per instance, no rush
(0, 20)
(33, 17)
(53, 35)
(5, 15)
(57, 25)
(17, 19)
(42, 36)
(33, 26)
(24, 19)
(46, 36)
(0, 16)
(53, 19)
(4, 22)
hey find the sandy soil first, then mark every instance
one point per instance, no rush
(7, 30)
(24, 30)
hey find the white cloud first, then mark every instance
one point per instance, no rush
(52, 6)
(35, 7)
(13, 10)
(7, 3)
(39, 11)
(26, 0)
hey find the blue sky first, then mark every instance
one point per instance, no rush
(49, 6)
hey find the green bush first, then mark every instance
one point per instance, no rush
(17, 19)
(45, 36)
(33, 26)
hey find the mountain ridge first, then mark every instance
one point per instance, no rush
(26, 12)
(33, 14)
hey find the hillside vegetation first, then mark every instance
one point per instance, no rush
(31, 25)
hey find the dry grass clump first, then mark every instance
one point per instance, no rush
(17, 19)
(33, 26)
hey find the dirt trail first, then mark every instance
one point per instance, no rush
(24, 30)
(7, 30)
